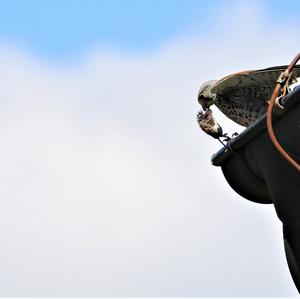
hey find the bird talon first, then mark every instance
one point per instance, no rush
(210, 126)
(227, 139)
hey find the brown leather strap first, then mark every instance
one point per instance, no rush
(280, 83)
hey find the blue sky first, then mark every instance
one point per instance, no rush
(104, 170)
(63, 27)
(59, 28)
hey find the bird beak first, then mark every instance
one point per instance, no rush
(205, 106)
(205, 102)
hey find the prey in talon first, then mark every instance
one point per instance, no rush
(209, 125)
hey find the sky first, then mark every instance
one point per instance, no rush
(107, 187)
(62, 29)
(66, 27)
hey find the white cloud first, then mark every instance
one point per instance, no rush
(107, 187)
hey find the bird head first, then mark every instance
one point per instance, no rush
(205, 95)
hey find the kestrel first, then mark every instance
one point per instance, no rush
(243, 96)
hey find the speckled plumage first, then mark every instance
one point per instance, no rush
(243, 97)
(244, 112)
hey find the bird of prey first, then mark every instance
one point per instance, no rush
(243, 97)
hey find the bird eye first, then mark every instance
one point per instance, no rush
(201, 97)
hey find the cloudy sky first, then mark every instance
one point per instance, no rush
(106, 182)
